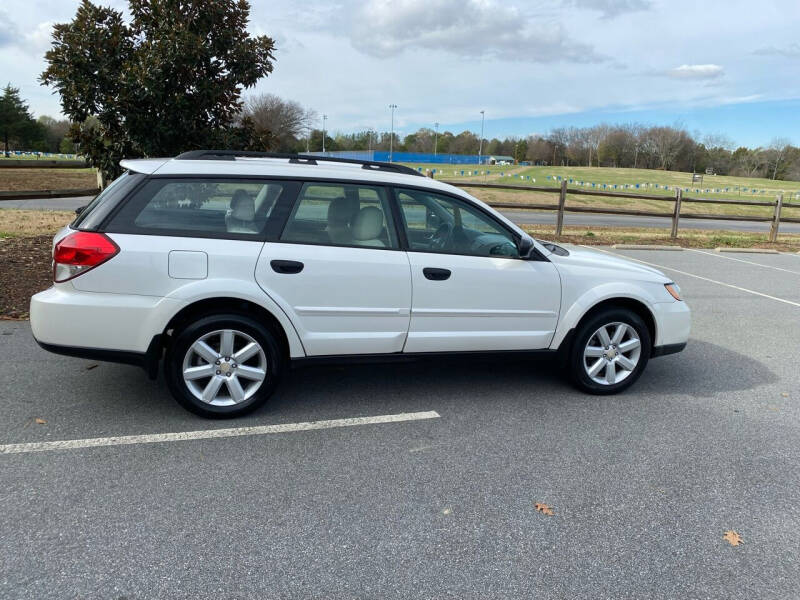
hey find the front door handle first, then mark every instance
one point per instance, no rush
(436, 274)
(287, 267)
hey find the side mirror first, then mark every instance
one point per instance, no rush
(80, 209)
(525, 246)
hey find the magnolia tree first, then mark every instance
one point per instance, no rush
(168, 80)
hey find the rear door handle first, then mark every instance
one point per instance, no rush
(436, 274)
(287, 267)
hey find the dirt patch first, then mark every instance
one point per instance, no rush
(15, 180)
(26, 270)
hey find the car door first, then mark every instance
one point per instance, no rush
(471, 290)
(338, 272)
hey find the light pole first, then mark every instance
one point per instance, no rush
(435, 138)
(480, 144)
(391, 135)
(370, 133)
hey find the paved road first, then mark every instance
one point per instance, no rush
(643, 485)
(523, 217)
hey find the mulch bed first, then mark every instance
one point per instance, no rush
(25, 270)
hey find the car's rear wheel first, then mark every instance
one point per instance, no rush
(223, 366)
(610, 351)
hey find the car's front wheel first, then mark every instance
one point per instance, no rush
(610, 351)
(223, 365)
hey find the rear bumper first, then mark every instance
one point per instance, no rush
(147, 360)
(126, 323)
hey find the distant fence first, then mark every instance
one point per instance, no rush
(675, 215)
(42, 163)
(412, 157)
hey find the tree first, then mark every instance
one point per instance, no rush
(167, 81)
(17, 126)
(283, 122)
(775, 153)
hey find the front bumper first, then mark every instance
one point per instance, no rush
(673, 325)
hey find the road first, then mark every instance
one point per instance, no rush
(643, 486)
(522, 217)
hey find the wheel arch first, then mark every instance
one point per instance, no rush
(287, 340)
(563, 342)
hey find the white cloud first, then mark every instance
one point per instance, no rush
(39, 38)
(611, 8)
(465, 28)
(696, 72)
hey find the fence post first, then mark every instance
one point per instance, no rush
(676, 216)
(776, 219)
(100, 181)
(562, 199)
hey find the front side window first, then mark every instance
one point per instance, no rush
(437, 223)
(216, 208)
(336, 214)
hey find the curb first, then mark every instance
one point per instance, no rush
(747, 250)
(646, 247)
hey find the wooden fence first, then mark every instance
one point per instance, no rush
(675, 214)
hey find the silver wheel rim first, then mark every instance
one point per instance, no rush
(224, 367)
(612, 353)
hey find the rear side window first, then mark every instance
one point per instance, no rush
(336, 214)
(238, 208)
(102, 204)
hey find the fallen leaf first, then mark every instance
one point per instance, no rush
(785, 394)
(543, 508)
(733, 538)
(446, 511)
(90, 367)
(39, 421)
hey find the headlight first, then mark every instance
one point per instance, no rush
(673, 290)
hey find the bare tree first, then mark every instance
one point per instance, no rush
(667, 143)
(775, 153)
(285, 120)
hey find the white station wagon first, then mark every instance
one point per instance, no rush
(226, 266)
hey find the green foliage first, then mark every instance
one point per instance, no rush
(17, 126)
(167, 82)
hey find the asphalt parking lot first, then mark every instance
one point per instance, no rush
(643, 486)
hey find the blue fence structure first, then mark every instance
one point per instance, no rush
(407, 157)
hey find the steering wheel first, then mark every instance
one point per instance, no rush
(441, 237)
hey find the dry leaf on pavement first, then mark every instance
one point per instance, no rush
(733, 538)
(543, 508)
(39, 421)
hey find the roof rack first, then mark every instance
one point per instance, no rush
(303, 159)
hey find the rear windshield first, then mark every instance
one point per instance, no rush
(101, 206)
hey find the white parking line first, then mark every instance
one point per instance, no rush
(213, 433)
(729, 285)
(741, 260)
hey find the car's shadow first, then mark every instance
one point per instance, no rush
(123, 396)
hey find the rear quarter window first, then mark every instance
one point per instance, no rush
(202, 207)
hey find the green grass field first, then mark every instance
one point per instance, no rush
(651, 182)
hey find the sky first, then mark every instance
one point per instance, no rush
(729, 67)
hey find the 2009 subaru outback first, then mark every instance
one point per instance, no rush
(226, 266)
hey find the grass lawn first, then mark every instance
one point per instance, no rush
(599, 175)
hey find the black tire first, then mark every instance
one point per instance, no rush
(183, 339)
(577, 373)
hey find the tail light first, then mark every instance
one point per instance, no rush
(79, 252)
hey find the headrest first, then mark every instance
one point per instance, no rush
(243, 206)
(340, 211)
(368, 223)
